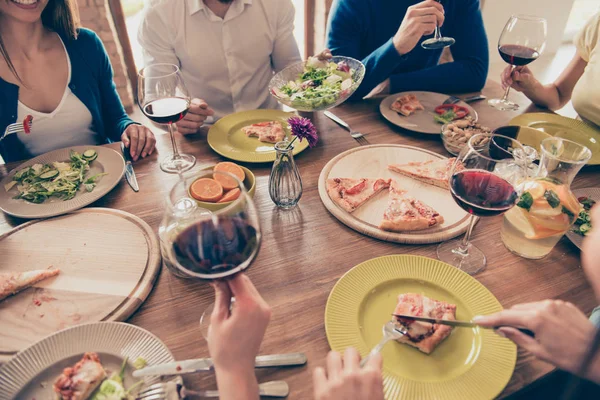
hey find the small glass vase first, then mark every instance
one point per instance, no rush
(285, 184)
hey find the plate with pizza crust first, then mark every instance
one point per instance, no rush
(363, 300)
(421, 120)
(227, 136)
(372, 162)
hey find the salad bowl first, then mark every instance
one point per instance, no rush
(315, 85)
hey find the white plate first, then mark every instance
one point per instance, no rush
(31, 373)
(108, 161)
(594, 194)
(422, 120)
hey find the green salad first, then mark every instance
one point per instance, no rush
(320, 84)
(113, 388)
(583, 224)
(62, 180)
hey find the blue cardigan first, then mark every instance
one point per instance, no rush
(363, 29)
(91, 81)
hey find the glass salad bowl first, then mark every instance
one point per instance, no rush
(315, 85)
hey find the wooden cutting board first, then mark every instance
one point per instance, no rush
(372, 162)
(109, 261)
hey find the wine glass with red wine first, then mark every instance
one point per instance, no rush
(437, 41)
(521, 42)
(164, 99)
(482, 182)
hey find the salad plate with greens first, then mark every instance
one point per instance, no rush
(60, 181)
(587, 197)
(319, 83)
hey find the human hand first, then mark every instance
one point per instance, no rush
(563, 334)
(349, 382)
(521, 79)
(420, 19)
(139, 140)
(195, 117)
(234, 337)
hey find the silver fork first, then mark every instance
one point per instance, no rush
(17, 127)
(359, 137)
(163, 391)
(391, 331)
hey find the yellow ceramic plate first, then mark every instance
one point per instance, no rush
(470, 364)
(568, 128)
(249, 183)
(226, 136)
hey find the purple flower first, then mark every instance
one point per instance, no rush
(302, 128)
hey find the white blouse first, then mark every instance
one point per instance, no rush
(70, 124)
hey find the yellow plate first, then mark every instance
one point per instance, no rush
(226, 136)
(568, 128)
(249, 183)
(472, 363)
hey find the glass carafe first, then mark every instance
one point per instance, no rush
(285, 184)
(547, 207)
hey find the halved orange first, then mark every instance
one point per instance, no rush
(206, 189)
(232, 195)
(227, 182)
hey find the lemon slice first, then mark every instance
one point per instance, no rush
(545, 212)
(535, 189)
(519, 220)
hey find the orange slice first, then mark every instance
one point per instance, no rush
(225, 181)
(206, 189)
(232, 195)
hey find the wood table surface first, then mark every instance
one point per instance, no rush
(306, 250)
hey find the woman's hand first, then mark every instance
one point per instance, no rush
(563, 334)
(139, 140)
(420, 19)
(521, 79)
(349, 381)
(195, 117)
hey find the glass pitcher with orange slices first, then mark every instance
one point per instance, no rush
(547, 208)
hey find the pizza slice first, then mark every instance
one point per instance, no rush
(350, 193)
(269, 131)
(407, 105)
(423, 335)
(80, 381)
(13, 282)
(433, 172)
(405, 213)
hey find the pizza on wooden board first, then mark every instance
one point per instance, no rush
(433, 172)
(423, 335)
(350, 193)
(405, 213)
(80, 381)
(407, 105)
(14, 282)
(269, 131)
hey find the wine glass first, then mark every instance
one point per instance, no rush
(164, 99)
(521, 42)
(437, 41)
(482, 182)
(200, 244)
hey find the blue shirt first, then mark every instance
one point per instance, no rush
(91, 81)
(363, 29)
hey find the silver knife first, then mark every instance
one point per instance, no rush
(462, 324)
(454, 99)
(129, 172)
(206, 364)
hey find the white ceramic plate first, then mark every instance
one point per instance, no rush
(108, 161)
(31, 373)
(594, 194)
(422, 120)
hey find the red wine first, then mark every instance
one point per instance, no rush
(167, 110)
(517, 55)
(216, 246)
(482, 193)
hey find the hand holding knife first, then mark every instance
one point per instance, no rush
(129, 172)
(462, 324)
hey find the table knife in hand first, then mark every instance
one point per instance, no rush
(129, 172)
(463, 324)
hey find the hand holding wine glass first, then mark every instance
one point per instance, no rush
(420, 19)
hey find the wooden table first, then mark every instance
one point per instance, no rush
(306, 250)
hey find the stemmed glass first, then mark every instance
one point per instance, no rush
(521, 42)
(200, 244)
(482, 182)
(437, 41)
(164, 99)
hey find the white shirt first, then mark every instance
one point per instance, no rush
(228, 62)
(586, 96)
(70, 124)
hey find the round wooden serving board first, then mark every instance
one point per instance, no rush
(372, 162)
(109, 261)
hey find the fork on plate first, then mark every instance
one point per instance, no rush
(169, 390)
(359, 137)
(18, 127)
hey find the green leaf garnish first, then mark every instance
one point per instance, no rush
(552, 198)
(565, 210)
(526, 201)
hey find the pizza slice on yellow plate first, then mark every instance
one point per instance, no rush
(13, 282)
(269, 131)
(350, 193)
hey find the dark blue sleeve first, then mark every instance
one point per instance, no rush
(348, 20)
(468, 72)
(113, 114)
